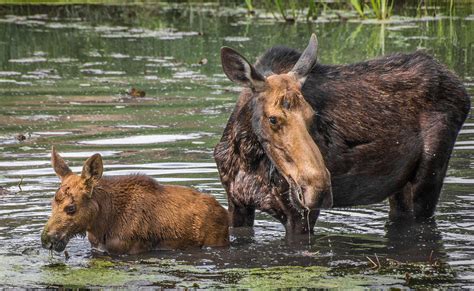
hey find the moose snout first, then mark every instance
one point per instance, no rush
(51, 240)
(315, 189)
(45, 240)
(313, 198)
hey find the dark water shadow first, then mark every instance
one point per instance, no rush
(415, 241)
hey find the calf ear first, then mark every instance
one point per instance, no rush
(92, 170)
(307, 60)
(240, 71)
(59, 165)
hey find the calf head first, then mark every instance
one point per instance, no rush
(281, 120)
(73, 208)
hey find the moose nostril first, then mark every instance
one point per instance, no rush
(50, 236)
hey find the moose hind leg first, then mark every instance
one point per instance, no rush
(438, 142)
(427, 189)
(401, 204)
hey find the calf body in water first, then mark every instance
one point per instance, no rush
(130, 214)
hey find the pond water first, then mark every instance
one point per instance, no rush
(64, 76)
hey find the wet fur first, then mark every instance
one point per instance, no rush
(385, 127)
(138, 210)
(134, 214)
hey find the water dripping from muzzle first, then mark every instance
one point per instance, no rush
(299, 205)
(308, 211)
(292, 186)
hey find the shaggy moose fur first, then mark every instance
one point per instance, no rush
(385, 127)
(130, 214)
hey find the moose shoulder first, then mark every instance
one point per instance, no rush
(305, 136)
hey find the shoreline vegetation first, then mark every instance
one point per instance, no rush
(290, 11)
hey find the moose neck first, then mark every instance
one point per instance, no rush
(107, 209)
(239, 146)
(240, 151)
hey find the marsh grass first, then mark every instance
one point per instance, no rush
(290, 11)
(380, 9)
(293, 10)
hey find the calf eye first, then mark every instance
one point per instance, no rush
(273, 120)
(70, 209)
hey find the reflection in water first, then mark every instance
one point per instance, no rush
(144, 139)
(415, 241)
(63, 82)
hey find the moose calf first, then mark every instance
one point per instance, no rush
(130, 214)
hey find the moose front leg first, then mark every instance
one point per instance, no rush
(241, 215)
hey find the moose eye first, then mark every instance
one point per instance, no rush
(70, 209)
(273, 120)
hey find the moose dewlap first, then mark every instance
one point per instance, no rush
(130, 214)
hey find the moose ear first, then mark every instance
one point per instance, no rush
(92, 170)
(307, 60)
(240, 71)
(59, 165)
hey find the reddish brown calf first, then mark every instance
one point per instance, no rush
(130, 214)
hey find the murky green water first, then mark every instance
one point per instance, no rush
(64, 77)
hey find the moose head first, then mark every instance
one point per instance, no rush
(281, 120)
(73, 207)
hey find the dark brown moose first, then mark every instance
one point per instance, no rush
(305, 136)
(130, 214)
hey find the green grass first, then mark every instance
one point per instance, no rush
(63, 2)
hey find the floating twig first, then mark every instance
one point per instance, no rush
(378, 262)
(373, 263)
(376, 265)
(19, 184)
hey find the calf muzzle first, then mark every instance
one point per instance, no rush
(53, 241)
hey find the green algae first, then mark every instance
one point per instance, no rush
(97, 273)
(414, 275)
(169, 273)
(292, 277)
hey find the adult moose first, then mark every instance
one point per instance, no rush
(305, 136)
